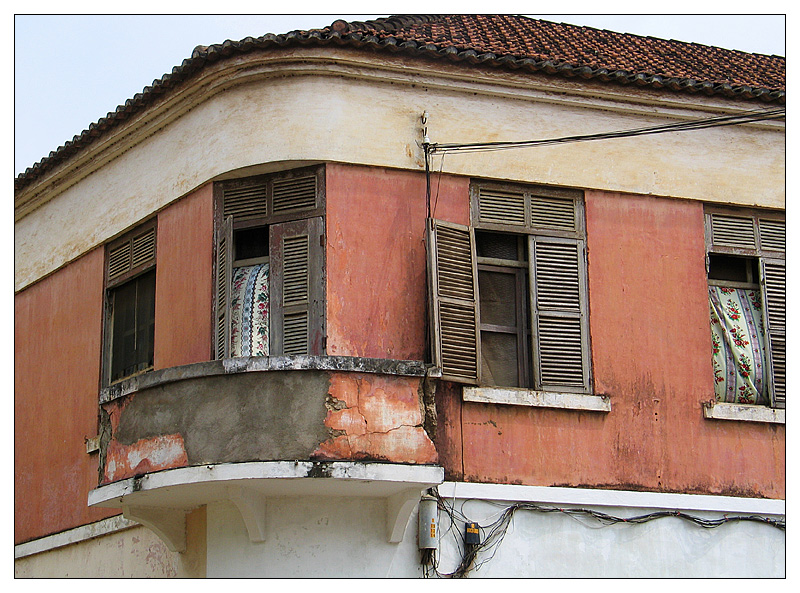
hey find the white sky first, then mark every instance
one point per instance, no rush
(71, 70)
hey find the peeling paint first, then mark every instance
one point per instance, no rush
(383, 420)
(146, 455)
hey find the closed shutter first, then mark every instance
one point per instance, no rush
(772, 235)
(732, 231)
(296, 253)
(454, 311)
(222, 342)
(773, 280)
(549, 212)
(132, 255)
(501, 207)
(558, 313)
(245, 199)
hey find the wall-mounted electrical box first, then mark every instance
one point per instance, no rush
(428, 523)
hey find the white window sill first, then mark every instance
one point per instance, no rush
(743, 412)
(538, 399)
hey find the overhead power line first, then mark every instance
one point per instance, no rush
(698, 124)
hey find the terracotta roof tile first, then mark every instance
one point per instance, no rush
(502, 41)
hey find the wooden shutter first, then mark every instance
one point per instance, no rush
(296, 255)
(222, 342)
(773, 280)
(496, 206)
(558, 313)
(131, 255)
(737, 232)
(454, 300)
(772, 234)
(245, 199)
(553, 213)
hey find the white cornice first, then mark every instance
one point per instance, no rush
(350, 64)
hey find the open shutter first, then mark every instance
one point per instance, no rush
(454, 310)
(222, 342)
(773, 280)
(296, 255)
(558, 314)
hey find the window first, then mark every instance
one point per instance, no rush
(746, 264)
(130, 302)
(270, 254)
(509, 299)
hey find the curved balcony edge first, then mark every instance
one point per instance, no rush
(160, 500)
(246, 364)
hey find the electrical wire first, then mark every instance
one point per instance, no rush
(496, 530)
(697, 124)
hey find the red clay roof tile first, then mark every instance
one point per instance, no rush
(503, 41)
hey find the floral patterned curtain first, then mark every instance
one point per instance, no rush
(250, 311)
(737, 335)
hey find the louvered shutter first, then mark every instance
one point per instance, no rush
(772, 235)
(733, 232)
(549, 212)
(222, 328)
(245, 199)
(131, 255)
(495, 206)
(558, 312)
(296, 278)
(454, 311)
(773, 280)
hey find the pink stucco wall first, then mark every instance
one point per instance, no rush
(651, 355)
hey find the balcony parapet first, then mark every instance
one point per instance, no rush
(268, 409)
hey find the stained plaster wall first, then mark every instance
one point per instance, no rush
(650, 343)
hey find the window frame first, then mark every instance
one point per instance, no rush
(765, 255)
(522, 201)
(280, 218)
(135, 269)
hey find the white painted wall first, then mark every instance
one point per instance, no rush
(556, 545)
(341, 537)
(311, 537)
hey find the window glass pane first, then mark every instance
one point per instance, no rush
(133, 326)
(497, 245)
(145, 319)
(498, 297)
(499, 359)
(123, 347)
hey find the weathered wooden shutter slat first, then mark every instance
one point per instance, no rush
(772, 234)
(294, 194)
(119, 261)
(733, 231)
(297, 278)
(245, 201)
(143, 248)
(456, 349)
(134, 252)
(560, 328)
(500, 207)
(223, 286)
(556, 213)
(774, 282)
